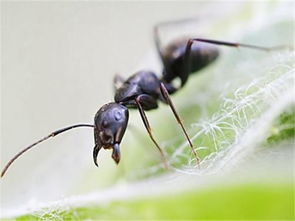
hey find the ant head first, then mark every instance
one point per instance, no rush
(110, 123)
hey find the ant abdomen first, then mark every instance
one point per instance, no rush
(179, 65)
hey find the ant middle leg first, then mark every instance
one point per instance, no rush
(143, 99)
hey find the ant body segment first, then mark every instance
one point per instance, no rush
(143, 90)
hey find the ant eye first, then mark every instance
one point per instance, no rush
(118, 115)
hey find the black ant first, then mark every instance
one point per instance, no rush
(143, 90)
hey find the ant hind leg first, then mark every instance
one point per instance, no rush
(170, 103)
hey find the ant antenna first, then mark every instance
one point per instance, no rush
(53, 134)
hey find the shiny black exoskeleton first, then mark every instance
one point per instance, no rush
(144, 89)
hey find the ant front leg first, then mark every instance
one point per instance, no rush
(170, 103)
(140, 101)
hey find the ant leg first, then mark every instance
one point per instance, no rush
(158, 45)
(138, 101)
(157, 40)
(118, 81)
(190, 42)
(169, 102)
(157, 37)
(167, 23)
(236, 44)
(53, 134)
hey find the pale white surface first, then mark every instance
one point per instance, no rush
(58, 61)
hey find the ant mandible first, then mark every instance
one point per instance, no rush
(143, 90)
